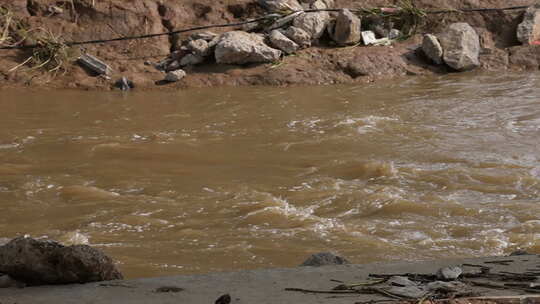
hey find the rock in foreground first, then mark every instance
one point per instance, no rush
(36, 262)
(239, 47)
(461, 46)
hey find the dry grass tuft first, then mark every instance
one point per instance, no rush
(49, 52)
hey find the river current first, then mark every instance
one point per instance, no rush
(222, 179)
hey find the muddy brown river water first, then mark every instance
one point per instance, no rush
(238, 178)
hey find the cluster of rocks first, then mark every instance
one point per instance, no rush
(458, 47)
(265, 43)
(27, 261)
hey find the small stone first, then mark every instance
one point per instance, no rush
(224, 299)
(281, 5)
(449, 273)
(319, 4)
(168, 289)
(324, 258)
(394, 34)
(207, 36)
(174, 76)
(191, 59)
(199, 47)
(124, 84)
(53, 9)
(298, 35)
(283, 43)
(346, 30)
(432, 48)
(379, 30)
(461, 46)
(368, 37)
(172, 65)
(528, 31)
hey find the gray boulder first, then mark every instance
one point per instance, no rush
(176, 75)
(239, 47)
(347, 28)
(461, 46)
(529, 30)
(280, 41)
(313, 23)
(36, 262)
(324, 258)
(298, 35)
(432, 48)
(281, 5)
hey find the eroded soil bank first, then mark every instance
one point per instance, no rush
(87, 20)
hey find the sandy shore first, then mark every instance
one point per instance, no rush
(257, 286)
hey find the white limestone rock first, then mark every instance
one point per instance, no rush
(239, 47)
(280, 41)
(461, 46)
(314, 23)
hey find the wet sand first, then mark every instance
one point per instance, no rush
(256, 286)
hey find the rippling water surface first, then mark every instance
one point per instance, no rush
(224, 179)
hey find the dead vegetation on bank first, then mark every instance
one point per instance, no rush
(50, 53)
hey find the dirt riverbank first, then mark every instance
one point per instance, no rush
(87, 20)
(269, 286)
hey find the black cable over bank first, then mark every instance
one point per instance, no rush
(264, 18)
